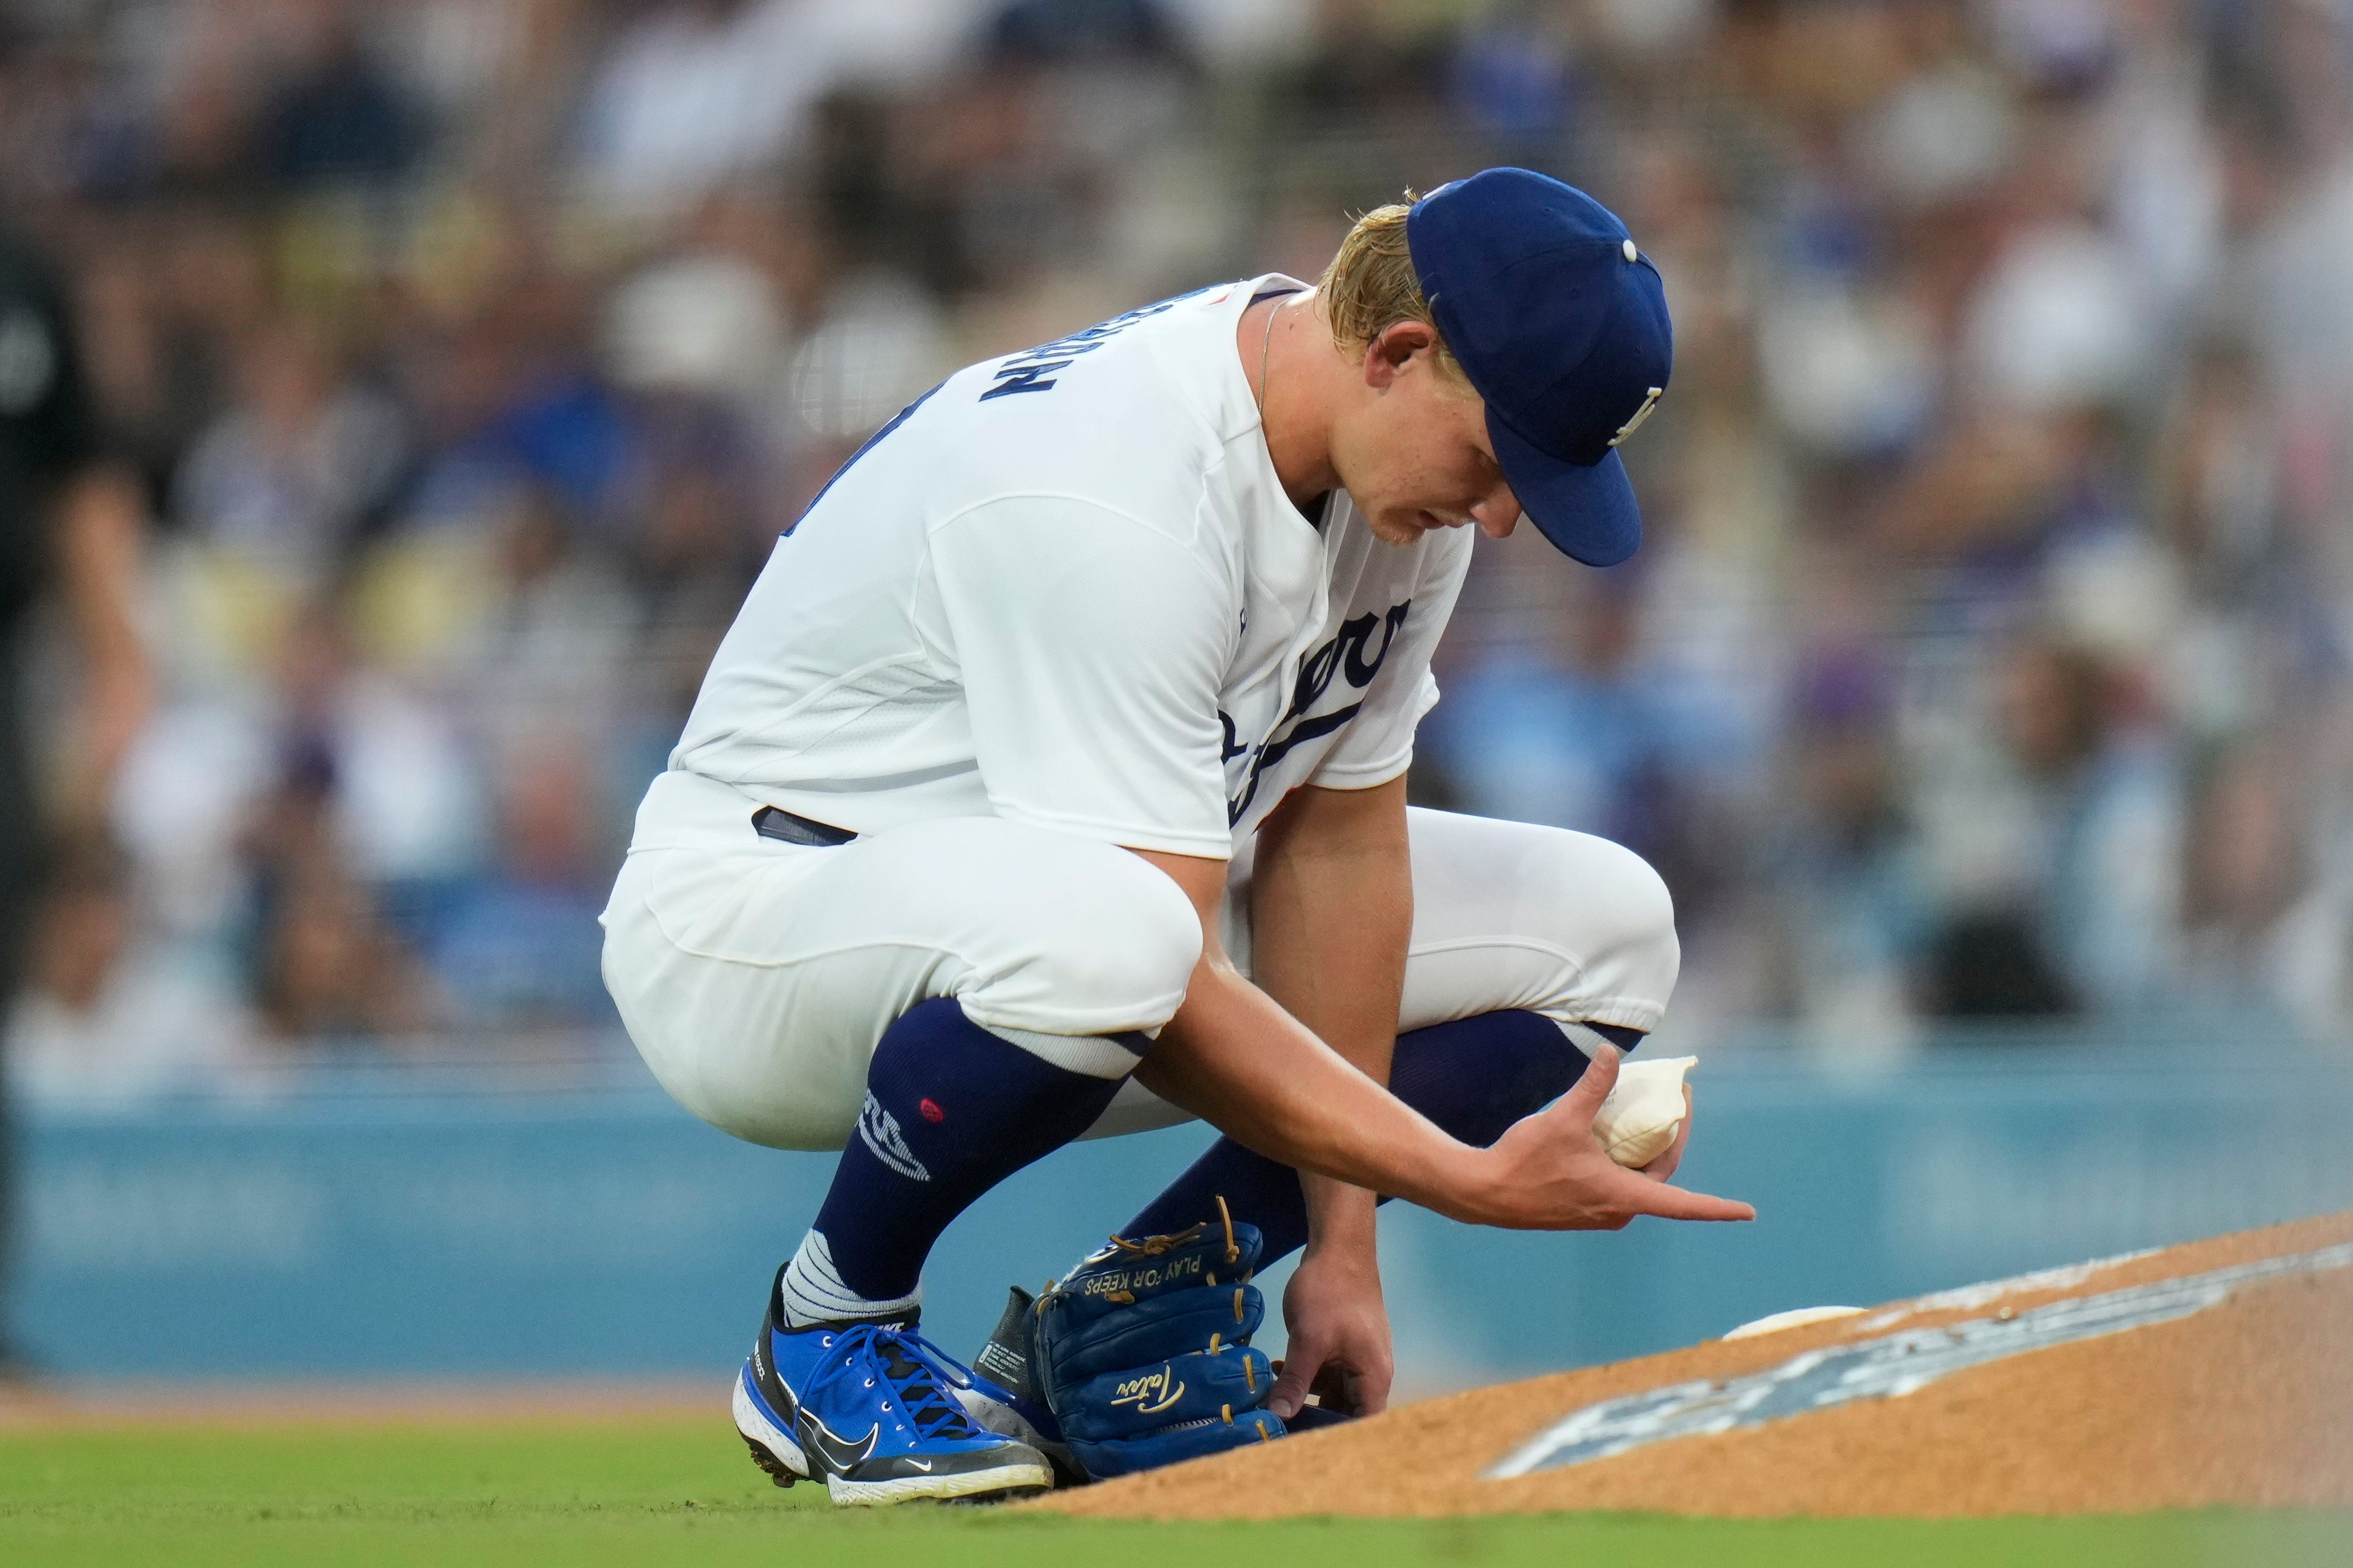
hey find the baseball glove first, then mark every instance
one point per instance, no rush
(1143, 1350)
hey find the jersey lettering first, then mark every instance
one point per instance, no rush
(1344, 655)
(1027, 376)
(1031, 371)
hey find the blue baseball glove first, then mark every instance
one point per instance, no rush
(1143, 1351)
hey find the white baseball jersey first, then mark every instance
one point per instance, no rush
(1065, 588)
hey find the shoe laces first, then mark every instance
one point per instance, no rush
(1153, 1246)
(911, 1366)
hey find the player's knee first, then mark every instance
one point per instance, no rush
(1615, 914)
(1138, 944)
(1644, 912)
(1109, 944)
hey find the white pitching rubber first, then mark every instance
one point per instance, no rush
(1644, 1111)
(1794, 1318)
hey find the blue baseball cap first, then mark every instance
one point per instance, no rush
(1561, 324)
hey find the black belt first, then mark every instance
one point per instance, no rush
(783, 827)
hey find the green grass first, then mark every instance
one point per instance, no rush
(669, 1490)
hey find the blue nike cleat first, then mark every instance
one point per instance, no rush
(873, 1410)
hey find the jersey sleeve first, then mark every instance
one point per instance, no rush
(1092, 646)
(1378, 744)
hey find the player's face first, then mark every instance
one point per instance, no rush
(1414, 452)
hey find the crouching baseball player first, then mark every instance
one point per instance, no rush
(1051, 783)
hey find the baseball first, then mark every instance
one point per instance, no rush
(1644, 1111)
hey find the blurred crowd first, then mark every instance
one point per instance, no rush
(1988, 657)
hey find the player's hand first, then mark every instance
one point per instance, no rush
(1548, 1172)
(1339, 1334)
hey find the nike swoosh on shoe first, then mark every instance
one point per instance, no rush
(836, 1450)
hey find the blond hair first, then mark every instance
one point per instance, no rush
(1371, 286)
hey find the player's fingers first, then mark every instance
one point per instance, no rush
(1335, 1387)
(1300, 1364)
(1371, 1388)
(1682, 1203)
(1585, 1097)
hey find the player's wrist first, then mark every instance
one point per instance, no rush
(1340, 1218)
(1472, 1185)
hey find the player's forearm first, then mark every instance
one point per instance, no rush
(97, 532)
(1236, 1059)
(1233, 1056)
(1331, 916)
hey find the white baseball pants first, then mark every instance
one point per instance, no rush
(756, 977)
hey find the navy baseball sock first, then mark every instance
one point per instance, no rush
(1474, 1077)
(951, 1110)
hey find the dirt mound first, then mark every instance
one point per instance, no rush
(2217, 1373)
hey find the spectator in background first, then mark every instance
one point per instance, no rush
(377, 813)
(2267, 930)
(520, 952)
(70, 525)
(1589, 730)
(303, 461)
(104, 1013)
(334, 116)
(329, 972)
(2058, 850)
(1843, 881)
(692, 92)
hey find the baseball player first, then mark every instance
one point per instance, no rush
(1050, 784)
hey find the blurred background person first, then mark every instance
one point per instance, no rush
(70, 531)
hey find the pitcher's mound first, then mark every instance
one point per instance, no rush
(2217, 1373)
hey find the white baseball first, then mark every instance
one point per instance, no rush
(1644, 1111)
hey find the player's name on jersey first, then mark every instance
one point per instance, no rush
(1032, 370)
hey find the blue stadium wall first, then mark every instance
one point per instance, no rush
(367, 1231)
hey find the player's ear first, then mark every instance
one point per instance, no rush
(1390, 350)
